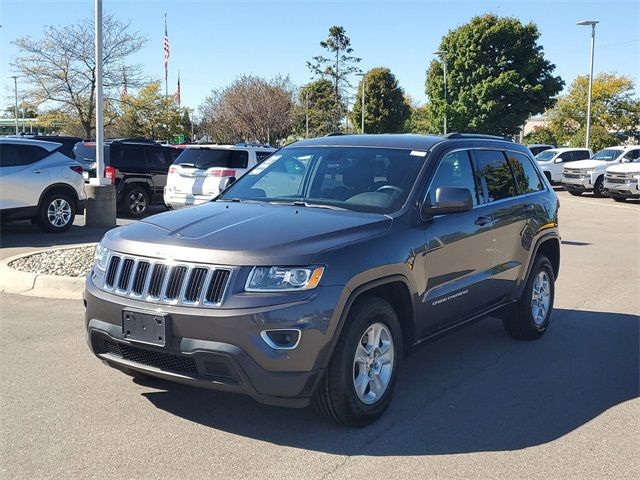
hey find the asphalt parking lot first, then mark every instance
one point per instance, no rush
(473, 404)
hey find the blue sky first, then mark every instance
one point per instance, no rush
(214, 41)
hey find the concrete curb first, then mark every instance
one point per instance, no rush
(39, 284)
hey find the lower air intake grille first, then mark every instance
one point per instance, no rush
(150, 358)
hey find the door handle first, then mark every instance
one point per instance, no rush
(37, 171)
(528, 208)
(483, 220)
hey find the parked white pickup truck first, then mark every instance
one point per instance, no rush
(588, 175)
(552, 161)
(623, 181)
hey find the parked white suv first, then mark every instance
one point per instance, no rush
(623, 181)
(194, 177)
(552, 161)
(588, 175)
(39, 182)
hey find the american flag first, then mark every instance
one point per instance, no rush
(166, 50)
(177, 97)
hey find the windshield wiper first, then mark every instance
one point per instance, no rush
(300, 203)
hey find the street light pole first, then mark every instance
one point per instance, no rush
(15, 94)
(443, 55)
(99, 95)
(592, 23)
(363, 75)
(306, 114)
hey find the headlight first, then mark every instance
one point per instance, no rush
(101, 256)
(283, 279)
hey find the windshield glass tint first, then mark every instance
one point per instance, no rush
(212, 157)
(546, 155)
(607, 154)
(354, 178)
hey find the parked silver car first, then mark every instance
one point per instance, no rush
(39, 182)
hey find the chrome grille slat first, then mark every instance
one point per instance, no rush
(156, 281)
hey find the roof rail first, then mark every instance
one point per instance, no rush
(134, 139)
(454, 135)
(246, 144)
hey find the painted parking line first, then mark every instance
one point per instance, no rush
(614, 205)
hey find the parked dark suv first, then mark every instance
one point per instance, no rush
(138, 168)
(309, 278)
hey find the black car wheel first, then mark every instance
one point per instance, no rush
(56, 212)
(619, 198)
(598, 188)
(135, 202)
(358, 385)
(535, 305)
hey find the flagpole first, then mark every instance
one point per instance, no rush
(166, 58)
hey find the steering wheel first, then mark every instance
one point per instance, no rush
(390, 187)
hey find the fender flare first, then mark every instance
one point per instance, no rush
(539, 241)
(60, 186)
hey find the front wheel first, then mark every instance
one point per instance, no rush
(56, 213)
(575, 193)
(619, 198)
(598, 188)
(358, 385)
(535, 305)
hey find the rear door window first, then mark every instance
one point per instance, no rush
(526, 175)
(127, 157)
(496, 174)
(205, 158)
(580, 155)
(260, 156)
(16, 155)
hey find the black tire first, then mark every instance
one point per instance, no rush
(619, 198)
(598, 188)
(522, 325)
(56, 212)
(548, 175)
(135, 202)
(336, 398)
(575, 193)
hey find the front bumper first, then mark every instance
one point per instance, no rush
(583, 183)
(222, 349)
(175, 200)
(630, 188)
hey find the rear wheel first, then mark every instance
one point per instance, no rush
(135, 202)
(575, 193)
(358, 385)
(598, 188)
(535, 305)
(56, 212)
(619, 198)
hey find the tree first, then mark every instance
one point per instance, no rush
(497, 76)
(599, 138)
(420, 120)
(316, 101)
(336, 68)
(250, 109)
(386, 109)
(151, 114)
(614, 107)
(60, 66)
(541, 135)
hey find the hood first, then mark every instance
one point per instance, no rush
(625, 168)
(579, 164)
(245, 234)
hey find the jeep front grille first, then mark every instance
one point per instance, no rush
(156, 281)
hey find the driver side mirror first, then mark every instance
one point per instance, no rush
(449, 200)
(558, 160)
(225, 182)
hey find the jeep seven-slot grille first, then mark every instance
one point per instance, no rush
(155, 281)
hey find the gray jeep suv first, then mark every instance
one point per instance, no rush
(307, 280)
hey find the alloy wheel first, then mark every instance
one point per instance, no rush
(373, 363)
(540, 298)
(137, 203)
(59, 212)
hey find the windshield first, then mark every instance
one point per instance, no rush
(607, 154)
(354, 178)
(546, 155)
(212, 157)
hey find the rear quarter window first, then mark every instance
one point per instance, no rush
(525, 173)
